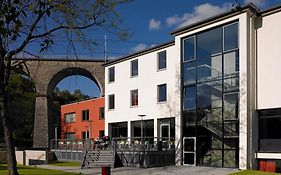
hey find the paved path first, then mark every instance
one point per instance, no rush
(167, 170)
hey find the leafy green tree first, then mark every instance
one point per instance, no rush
(23, 22)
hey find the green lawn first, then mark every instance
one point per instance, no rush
(26, 170)
(252, 172)
(64, 163)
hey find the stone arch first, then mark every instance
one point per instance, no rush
(46, 73)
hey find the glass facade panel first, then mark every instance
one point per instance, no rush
(118, 129)
(209, 43)
(189, 73)
(209, 69)
(189, 46)
(189, 98)
(210, 95)
(231, 37)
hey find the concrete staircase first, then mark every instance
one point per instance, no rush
(98, 158)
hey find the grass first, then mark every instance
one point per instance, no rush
(26, 170)
(253, 172)
(62, 163)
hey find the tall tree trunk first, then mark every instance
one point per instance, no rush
(10, 147)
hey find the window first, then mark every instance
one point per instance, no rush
(134, 97)
(111, 101)
(101, 112)
(85, 115)
(69, 136)
(189, 98)
(70, 117)
(118, 129)
(162, 60)
(189, 49)
(85, 135)
(134, 68)
(162, 93)
(111, 74)
(231, 37)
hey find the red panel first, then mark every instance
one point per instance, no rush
(267, 165)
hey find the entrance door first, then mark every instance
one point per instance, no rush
(165, 131)
(189, 151)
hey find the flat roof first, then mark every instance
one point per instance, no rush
(143, 52)
(83, 100)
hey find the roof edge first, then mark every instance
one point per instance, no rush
(140, 53)
(219, 17)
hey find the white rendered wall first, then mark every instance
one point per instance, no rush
(146, 82)
(269, 62)
(243, 57)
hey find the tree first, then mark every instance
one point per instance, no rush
(26, 22)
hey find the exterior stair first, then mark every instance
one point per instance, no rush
(99, 158)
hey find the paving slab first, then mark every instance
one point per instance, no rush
(167, 170)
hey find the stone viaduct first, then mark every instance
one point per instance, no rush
(46, 74)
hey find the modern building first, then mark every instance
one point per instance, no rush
(214, 88)
(83, 119)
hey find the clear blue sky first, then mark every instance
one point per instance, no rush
(150, 22)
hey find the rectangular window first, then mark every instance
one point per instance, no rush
(101, 111)
(134, 68)
(111, 101)
(111, 74)
(134, 97)
(70, 136)
(85, 135)
(162, 60)
(231, 37)
(85, 115)
(70, 117)
(189, 98)
(162, 93)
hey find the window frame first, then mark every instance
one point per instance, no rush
(101, 111)
(131, 68)
(131, 98)
(109, 70)
(158, 60)
(82, 116)
(65, 121)
(109, 96)
(158, 93)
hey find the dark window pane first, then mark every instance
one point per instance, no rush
(85, 115)
(134, 68)
(134, 97)
(189, 145)
(188, 49)
(101, 111)
(111, 102)
(231, 37)
(118, 129)
(162, 60)
(209, 43)
(162, 93)
(111, 74)
(189, 158)
(190, 97)
(189, 73)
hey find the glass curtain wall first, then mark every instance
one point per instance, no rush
(210, 63)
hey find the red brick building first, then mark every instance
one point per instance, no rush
(82, 120)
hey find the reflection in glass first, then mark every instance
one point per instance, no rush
(231, 37)
(209, 95)
(189, 45)
(230, 110)
(209, 43)
(209, 69)
(189, 73)
(190, 97)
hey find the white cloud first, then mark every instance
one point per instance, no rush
(258, 3)
(200, 12)
(139, 47)
(154, 24)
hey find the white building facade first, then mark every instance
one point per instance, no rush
(216, 91)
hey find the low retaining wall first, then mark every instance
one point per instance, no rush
(32, 157)
(69, 155)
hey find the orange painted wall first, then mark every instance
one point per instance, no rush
(97, 124)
